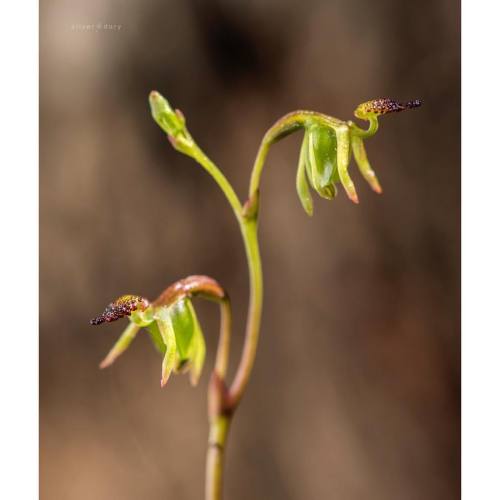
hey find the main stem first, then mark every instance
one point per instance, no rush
(226, 403)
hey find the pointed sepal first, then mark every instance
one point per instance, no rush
(166, 330)
(121, 345)
(343, 162)
(301, 181)
(364, 166)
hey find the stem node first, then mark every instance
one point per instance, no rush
(250, 209)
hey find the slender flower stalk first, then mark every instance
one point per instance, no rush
(326, 151)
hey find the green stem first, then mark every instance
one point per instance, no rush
(197, 154)
(227, 403)
(250, 238)
(222, 357)
(364, 134)
(248, 228)
(215, 457)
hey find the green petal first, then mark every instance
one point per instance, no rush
(322, 156)
(184, 321)
(364, 166)
(168, 336)
(198, 356)
(121, 345)
(343, 152)
(155, 336)
(301, 182)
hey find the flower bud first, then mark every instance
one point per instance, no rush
(172, 122)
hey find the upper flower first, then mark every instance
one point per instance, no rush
(327, 148)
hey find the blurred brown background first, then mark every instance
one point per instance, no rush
(356, 389)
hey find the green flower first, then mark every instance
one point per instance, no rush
(323, 162)
(327, 148)
(171, 322)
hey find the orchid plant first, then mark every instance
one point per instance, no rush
(171, 320)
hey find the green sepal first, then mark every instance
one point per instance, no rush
(197, 354)
(184, 322)
(364, 166)
(301, 181)
(191, 347)
(322, 159)
(167, 334)
(155, 336)
(121, 345)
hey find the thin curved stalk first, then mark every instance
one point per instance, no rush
(197, 154)
(223, 347)
(250, 237)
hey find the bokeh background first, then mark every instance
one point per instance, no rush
(356, 388)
